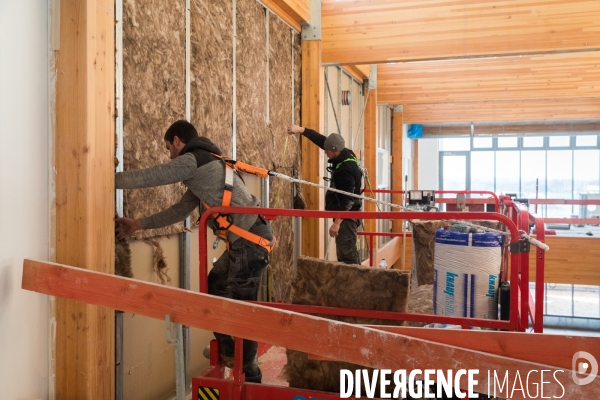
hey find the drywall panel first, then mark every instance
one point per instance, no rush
(211, 72)
(24, 200)
(153, 98)
(148, 360)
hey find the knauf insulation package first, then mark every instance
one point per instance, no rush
(466, 274)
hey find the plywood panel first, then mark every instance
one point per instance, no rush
(83, 344)
(498, 111)
(573, 260)
(379, 31)
(153, 98)
(545, 76)
(211, 71)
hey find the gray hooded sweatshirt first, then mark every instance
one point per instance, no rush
(204, 176)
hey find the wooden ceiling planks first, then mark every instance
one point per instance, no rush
(381, 31)
(494, 111)
(292, 11)
(548, 76)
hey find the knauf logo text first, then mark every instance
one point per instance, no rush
(491, 286)
(450, 283)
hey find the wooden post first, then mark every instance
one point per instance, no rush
(398, 178)
(312, 156)
(370, 158)
(85, 197)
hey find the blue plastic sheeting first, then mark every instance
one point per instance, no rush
(415, 131)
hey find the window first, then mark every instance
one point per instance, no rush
(508, 165)
(559, 181)
(559, 141)
(533, 169)
(482, 170)
(585, 141)
(455, 144)
(508, 142)
(536, 141)
(483, 142)
(586, 171)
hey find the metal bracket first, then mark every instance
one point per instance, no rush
(522, 246)
(373, 77)
(312, 31)
(398, 109)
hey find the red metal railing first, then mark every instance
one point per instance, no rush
(512, 324)
(371, 235)
(441, 199)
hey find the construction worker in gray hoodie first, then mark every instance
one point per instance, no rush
(198, 163)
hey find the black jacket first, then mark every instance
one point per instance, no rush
(345, 175)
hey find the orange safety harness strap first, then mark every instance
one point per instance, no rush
(224, 220)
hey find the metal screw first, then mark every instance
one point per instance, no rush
(354, 336)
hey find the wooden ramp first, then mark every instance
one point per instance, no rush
(390, 349)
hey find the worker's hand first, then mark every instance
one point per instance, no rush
(335, 227)
(127, 226)
(292, 129)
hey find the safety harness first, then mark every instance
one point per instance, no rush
(356, 202)
(225, 221)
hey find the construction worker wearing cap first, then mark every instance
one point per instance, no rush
(347, 176)
(210, 182)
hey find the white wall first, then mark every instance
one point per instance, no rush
(429, 164)
(24, 208)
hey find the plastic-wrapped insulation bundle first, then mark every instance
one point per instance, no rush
(466, 274)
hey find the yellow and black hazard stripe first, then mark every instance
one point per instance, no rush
(208, 393)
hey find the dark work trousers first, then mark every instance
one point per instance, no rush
(345, 242)
(237, 275)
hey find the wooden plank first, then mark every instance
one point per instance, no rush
(524, 346)
(370, 157)
(547, 76)
(83, 346)
(381, 31)
(566, 127)
(313, 82)
(284, 15)
(327, 338)
(498, 111)
(571, 260)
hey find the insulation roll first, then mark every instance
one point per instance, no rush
(466, 274)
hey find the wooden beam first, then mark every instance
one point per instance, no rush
(559, 127)
(380, 31)
(85, 196)
(370, 157)
(360, 72)
(273, 5)
(330, 339)
(503, 111)
(524, 346)
(313, 82)
(298, 10)
(547, 76)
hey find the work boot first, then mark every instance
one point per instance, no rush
(253, 374)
